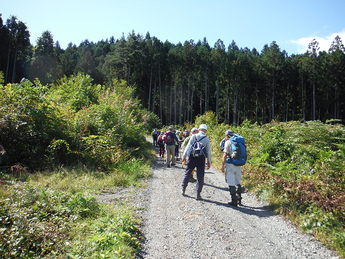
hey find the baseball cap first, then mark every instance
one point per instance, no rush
(229, 133)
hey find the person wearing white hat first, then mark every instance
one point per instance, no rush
(198, 162)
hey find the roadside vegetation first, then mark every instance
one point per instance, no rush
(61, 146)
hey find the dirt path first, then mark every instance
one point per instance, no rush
(177, 226)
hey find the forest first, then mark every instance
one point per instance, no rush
(177, 82)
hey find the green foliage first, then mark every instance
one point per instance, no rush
(57, 215)
(209, 118)
(72, 122)
(75, 92)
(35, 221)
(30, 122)
(152, 122)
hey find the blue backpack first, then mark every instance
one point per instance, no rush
(238, 151)
(198, 149)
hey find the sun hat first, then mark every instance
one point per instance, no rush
(193, 129)
(203, 127)
(171, 127)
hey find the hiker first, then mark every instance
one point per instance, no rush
(197, 159)
(161, 144)
(169, 139)
(233, 173)
(185, 134)
(184, 145)
(222, 143)
(177, 145)
(155, 136)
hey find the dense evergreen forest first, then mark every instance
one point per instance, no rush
(179, 81)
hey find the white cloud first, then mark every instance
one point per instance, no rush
(324, 43)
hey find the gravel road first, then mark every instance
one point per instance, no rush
(176, 226)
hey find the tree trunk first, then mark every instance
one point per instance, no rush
(191, 105)
(235, 105)
(206, 95)
(150, 92)
(154, 96)
(14, 65)
(201, 95)
(175, 103)
(8, 63)
(303, 102)
(160, 93)
(273, 95)
(217, 102)
(180, 119)
(171, 97)
(314, 96)
(188, 107)
(256, 102)
(226, 119)
(287, 102)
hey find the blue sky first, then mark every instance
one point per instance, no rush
(250, 23)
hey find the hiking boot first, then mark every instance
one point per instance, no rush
(198, 196)
(239, 201)
(173, 164)
(192, 180)
(183, 191)
(169, 166)
(233, 203)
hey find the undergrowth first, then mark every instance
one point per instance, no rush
(57, 215)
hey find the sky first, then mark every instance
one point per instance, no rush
(292, 24)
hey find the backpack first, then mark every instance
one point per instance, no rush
(238, 151)
(160, 138)
(168, 138)
(222, 144)
(198, 149)
(185, 134)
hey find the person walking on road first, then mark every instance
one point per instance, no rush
(161, 144)
(155, 134)
(169, 139)
(197, 161)
(233, 173)
(184, 145)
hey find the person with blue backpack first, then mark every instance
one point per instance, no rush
(197, 151)
(234, 157)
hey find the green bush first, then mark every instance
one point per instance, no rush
(71, 122)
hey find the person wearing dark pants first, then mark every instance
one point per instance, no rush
(197, 162)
